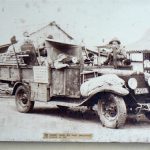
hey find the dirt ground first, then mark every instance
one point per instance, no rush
(47, 121)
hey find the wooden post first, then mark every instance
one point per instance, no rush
(99, 57)
(115, 57)
(18, 66)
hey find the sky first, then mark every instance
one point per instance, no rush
(93, 21)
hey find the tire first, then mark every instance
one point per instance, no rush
(23, 102)
(112, 111)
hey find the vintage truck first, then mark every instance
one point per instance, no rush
(57, 73)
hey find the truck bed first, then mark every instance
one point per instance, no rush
(10, 72)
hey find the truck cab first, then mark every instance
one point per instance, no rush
(138, 100)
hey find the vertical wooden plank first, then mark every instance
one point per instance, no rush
(57, 82)
(73, 82)
(39, 91)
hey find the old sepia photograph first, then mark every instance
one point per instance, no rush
(75, 70)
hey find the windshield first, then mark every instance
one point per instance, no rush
(113, 56)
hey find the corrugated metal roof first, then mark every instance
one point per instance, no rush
(137, 51)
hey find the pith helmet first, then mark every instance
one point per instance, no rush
(115, 40)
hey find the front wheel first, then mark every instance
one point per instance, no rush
(112, 111)
(23, 102)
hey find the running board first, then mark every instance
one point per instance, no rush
(66, 104)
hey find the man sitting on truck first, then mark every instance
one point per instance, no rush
(121, 56)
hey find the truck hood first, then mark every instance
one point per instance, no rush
(117, 71)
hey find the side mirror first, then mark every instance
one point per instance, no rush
(13, 40)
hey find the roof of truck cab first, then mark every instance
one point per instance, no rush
(62, 45)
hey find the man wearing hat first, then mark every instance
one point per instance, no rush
(117, 54)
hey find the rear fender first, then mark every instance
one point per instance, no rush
(16, 85)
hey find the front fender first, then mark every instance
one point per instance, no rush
(111, 89)
(108, 82)
(90, 98)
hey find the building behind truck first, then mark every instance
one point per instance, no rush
(34, 40)
(139, 53)
(52, 30)
(26, 48)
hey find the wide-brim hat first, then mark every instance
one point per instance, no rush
(115, 40)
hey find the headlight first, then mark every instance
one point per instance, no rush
(132, 83)
(149, 81)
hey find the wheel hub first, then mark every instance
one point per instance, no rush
(110, 109)
(23, 98)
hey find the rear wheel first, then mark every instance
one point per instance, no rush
(23, 102)
(112, 111)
